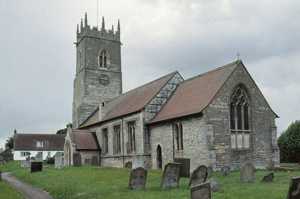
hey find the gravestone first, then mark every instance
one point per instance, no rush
(138, 178)
(171, 176)
(198, 176)
(77, 159)
(36, 167)
(294, 190)
(268, 178)
(95, 161)
(209, 171)
(247, 173)
(25, 163)
(59, 160)
(225, 170)
(201, 191)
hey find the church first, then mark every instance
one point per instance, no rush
(219, 118)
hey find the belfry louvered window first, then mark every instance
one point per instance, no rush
(239, 119)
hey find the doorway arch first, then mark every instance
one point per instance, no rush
(159, 157)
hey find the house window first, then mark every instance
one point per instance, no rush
(178, 132)
(131, 137)
(39, 144)
(117, 139)
(25, 154)
(239, 119)
(105, 141)
(102, 59)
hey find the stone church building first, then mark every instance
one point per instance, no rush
(219, 118)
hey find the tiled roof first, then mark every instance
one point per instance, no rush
(194, 94)
(51, 142)
(84, 140)
(131, 101)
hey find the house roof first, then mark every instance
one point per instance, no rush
(129, 102)
(84, 140)
(194, 94)
(51, 142)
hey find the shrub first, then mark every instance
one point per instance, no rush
(289, 143)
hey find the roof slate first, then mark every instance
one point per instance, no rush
(194, 94)
(51, 142)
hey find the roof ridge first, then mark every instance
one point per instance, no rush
(213, 70)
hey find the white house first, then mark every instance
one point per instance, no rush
(37, 145)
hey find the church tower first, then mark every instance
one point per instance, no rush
(98, 68)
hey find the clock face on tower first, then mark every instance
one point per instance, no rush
(104, 79)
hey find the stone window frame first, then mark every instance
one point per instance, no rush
(105, 140)
(103, 59)
(240, 119)
(178, 133)
(131, 136)
(117, 149)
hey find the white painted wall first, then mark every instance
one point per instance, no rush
(17, 154)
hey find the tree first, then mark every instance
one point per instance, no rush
(289, 143)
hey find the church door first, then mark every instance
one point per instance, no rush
(159, 157)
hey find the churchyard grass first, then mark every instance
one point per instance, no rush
(6, 192)
(111, 183)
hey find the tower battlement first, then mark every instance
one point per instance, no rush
(85, 30)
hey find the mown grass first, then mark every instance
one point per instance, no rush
(109, 183)
(6, 192)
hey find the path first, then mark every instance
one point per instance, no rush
(28, 191)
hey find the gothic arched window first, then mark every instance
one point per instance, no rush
(239, 119)
(178, 135)
(102, 59)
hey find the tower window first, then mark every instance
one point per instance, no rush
(239, 119)
(102, 59)
(131, 147)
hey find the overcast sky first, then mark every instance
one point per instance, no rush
(159, 36)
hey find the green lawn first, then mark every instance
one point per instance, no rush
(6, 192)
(108, 183)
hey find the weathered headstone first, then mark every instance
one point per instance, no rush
(77, 159)
(209, 171)
(59, 160)
(138, 178)
(294, 190)
(202, 191)
(36, 167)
(171, 176)
(268, 178)
(215, 186)
(247, 173)
(225, 170)
(198, 176)
(95, 161)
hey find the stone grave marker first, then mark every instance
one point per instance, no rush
(36, 167)
(198, 176)
(294, 190)
(268, 178)
(77, 159)
(95, 161)
(59, 160)
(225, 170)
(171, 176)
(138, 178)
(201, 191)
(247, 173)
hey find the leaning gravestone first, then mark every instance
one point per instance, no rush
(294, 190)
(201, 191)
(225, 170)
(95, 161)
(138, 178)
(171, 176)
(247, 173)
(77, 159)
(59, 160)
(268, 178)
(36, 167)
(198, 176)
